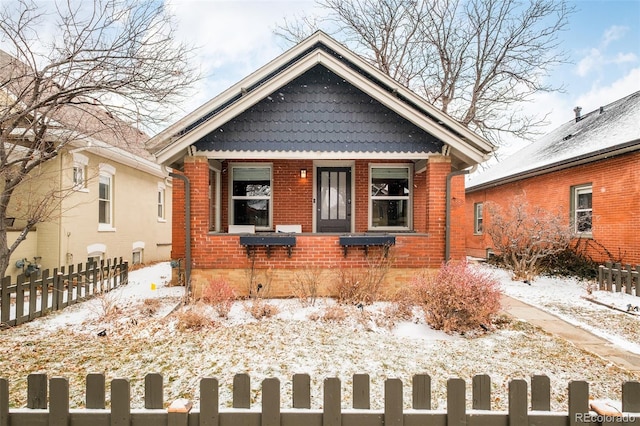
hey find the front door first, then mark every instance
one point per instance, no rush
(334, 199)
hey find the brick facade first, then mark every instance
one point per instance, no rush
(616, 209)
(218, 254)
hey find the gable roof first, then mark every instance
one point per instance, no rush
(610, 130)
(172, 144)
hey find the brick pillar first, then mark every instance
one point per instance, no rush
(197, 170)
(177, 222)
(457, 243)
(437, 169)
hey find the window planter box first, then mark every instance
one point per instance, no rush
(366, 241)
(268, 241)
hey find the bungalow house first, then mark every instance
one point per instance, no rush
(112, 197)
(316, 161)
(589, 168)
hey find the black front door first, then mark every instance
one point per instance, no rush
(334, 199)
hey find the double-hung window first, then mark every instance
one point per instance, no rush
(581, 209)
(390, 197)
(477, 218)
(251, 195)
(105, 198)
(80, 163)
(161, 202)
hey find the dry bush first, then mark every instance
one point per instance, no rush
(305, 285)
(193, 320)
(219, 294)
(402, 303)
(458, 298)
(109, 309)
(335, 313)
(259, 309)
(524, 235)
(353, 286)
(258, 281)
(150, 307)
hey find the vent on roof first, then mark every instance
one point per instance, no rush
(567, 137)
(601, 109)
(577, 111)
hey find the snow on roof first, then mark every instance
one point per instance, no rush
(605, 129)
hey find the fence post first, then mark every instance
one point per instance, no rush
(481, 392)
(153, 398)
(518, 402)
(540, 393)
(393, 414)
(59, 411)
(37, 391)
(44, 297)
(456, 403)
(120, 402)
(618, 276)
(361, 391)
(72, 280)
(578, 402)
(209, 411)
(629, 279)
(241, 391)
(631, 397)
(332, 410)
(600, 277)
(301, 391)
(4, 402)
(33, 295)
(271, 402)
(19, 299)
(609, 281)
(95, 391)
(421, 392)
(5, 300)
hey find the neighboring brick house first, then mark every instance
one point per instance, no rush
(113, 196)
(589, 168)
(320, 145)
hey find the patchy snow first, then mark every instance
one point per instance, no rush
(141, 337)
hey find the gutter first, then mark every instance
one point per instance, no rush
(187, 225)
(447, 212)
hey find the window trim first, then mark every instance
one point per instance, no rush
(215, 199)
(107, 171)
(162, 202)
(478, 218)
(409, 197)
(576, 190)
(80, 162)
(234, 166)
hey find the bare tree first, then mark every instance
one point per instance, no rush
(108, 69)
(477, 60)
(524, 235)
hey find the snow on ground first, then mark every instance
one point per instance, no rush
(140, 323)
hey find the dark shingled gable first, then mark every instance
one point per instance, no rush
(321, 112)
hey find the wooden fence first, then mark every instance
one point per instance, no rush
(48, 403)
(617, 278)
(34, 296)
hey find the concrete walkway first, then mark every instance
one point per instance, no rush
(578, 336)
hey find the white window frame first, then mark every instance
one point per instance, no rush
(137, 249)
(408, 197)
(96, 252)
(106, 171)
(478, 219)
(232, 198)
(79, 172)
(162, 202)
(576, 191)
(215, 198)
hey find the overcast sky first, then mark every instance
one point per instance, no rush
(236, 38)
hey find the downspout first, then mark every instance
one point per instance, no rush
(447, 213)
(187, 225)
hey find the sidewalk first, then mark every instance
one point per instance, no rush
(579, 337)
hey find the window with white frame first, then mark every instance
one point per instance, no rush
(80, 163)
(137, 252)
(582, 209)
(161, 201)
(390, 197)
(251, 195)
(477, 218)
(214, 199)
(105, 197)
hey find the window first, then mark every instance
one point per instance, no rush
(581, 209)
(251, 196)
(477, 218)
(79, 177)
(390, 201)
(161, 202)
(214, 199)
(105, 198)
(137, 252)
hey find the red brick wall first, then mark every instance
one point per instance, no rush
(616, 207)
(293, 198)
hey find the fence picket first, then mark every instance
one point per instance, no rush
(44, 296)
(540, 393)
(59, 412)
(153, 398)
(332, 410)
(393, 414)
(481, 392)
(301, 391)
(456, 403)
(120, 407)
(518, 403)
(241, 391)
(578, 401)
(361, 391)
(271, 402)
(4, 402)
(209, 411)
(19, 300)
(37, 391)
(421, 392)
(33, 297)
(5, 301)
(631, 397)
(95, 391)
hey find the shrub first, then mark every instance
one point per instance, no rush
(259, 309)
(305, 285)
(220, 295)
(193, 320)
(353, 286)
(458, 298)
(150, 307)
(335, 313)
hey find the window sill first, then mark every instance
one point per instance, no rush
(106, 228)
(85, 190)
(161, 220)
